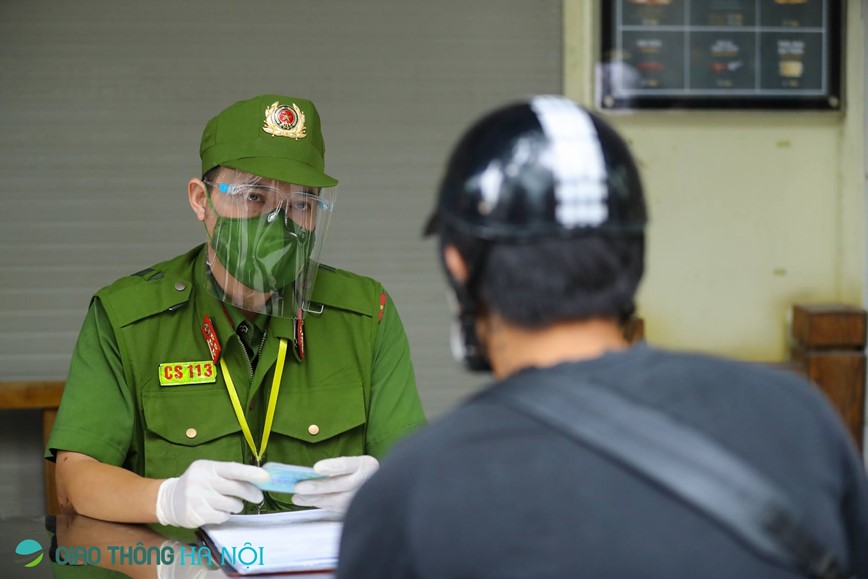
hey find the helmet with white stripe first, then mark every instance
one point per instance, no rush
(539, 169)
(534, 177)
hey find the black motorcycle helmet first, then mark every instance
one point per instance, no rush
(540, 169)
(537, 169)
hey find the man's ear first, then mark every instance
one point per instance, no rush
(197, 196)
(455, 264)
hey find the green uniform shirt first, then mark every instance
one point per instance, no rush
(353, 393)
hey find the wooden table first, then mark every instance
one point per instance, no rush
(44, 396)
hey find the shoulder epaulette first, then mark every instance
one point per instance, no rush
(163, 287)
(337, 288)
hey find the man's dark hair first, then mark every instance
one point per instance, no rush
(534, 284)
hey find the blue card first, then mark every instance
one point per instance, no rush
(283, 477)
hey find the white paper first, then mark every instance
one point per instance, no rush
(290, 541)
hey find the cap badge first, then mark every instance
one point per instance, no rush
(284, 121)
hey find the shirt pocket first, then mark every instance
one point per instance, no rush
(315, 423)
(183, 425)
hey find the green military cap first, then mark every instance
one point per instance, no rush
(273, 136)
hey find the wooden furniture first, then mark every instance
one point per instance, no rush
(829, 344)
(43, 396)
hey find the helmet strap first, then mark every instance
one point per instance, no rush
(466, 295)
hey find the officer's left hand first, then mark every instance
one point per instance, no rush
(345, 475)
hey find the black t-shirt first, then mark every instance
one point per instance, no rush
(488, 492)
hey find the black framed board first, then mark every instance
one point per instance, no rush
(764, 54)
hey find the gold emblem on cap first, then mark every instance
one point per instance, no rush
(277, 125)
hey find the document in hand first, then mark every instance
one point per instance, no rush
(295, 541)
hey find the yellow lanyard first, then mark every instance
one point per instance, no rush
(272, 403)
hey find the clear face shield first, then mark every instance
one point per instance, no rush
(265, 241)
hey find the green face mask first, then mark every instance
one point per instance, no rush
(263, 256)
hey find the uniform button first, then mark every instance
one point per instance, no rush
(242, 329)
(191, 433)
(313, 429)
(180, 286)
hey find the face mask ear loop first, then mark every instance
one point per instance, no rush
(205, 225)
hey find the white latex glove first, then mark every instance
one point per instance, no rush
(345, 475)
(208, 492)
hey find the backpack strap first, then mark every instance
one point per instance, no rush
(679, 459)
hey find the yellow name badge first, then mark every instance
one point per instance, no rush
(182, 373)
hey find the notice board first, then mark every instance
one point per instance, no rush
(765, 54)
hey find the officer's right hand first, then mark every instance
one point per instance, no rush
(208, 492)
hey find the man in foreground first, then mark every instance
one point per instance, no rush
(541, 221)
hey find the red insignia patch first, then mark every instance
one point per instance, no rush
(382, 306)
(300, 337)
(211, 339)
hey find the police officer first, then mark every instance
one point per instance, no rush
(189, 375)
(541, 221)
